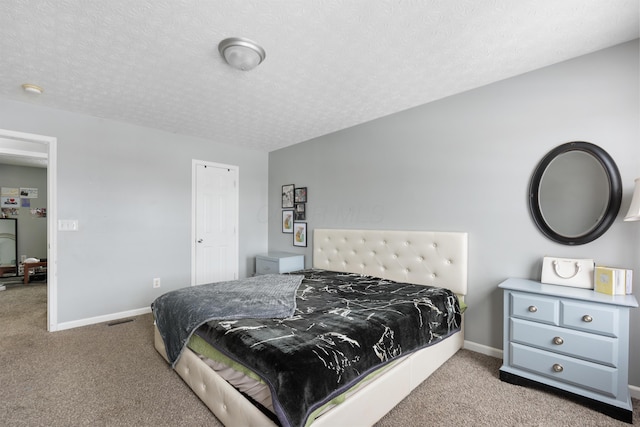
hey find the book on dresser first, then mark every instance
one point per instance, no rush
(613, 280)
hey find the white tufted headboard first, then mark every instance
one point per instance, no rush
(421, 257)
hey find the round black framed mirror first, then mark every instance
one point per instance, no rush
(575, 193)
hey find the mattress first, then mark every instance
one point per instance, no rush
(256, 389)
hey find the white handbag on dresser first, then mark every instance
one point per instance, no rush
(577, 273)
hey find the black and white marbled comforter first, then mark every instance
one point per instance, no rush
(344, 327)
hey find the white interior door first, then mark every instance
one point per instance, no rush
(215, 244)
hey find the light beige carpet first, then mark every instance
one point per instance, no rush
(103, 375)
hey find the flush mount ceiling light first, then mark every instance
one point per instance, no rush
(242, 54)
(31, 88)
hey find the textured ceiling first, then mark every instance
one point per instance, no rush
(330, 64)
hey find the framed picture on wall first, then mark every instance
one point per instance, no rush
(300, 234)
(299, 212)
(287, 221)
(300, 195)
(287, 195)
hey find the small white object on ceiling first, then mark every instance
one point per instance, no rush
(33, 89)
(242, 54)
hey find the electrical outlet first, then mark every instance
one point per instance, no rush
(156, 282)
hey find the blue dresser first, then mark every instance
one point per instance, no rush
(571, 340)
(278, 263)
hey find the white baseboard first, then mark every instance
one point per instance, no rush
(634, 391)
(483, 349)
(101, 319)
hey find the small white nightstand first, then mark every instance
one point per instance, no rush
(278, 262)
(569, 339)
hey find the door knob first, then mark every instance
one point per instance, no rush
(199, 240)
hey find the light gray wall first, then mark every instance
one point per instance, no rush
(464, 163)
(130, 189)
(32, 230)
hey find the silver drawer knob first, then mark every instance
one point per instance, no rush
(587, 318)
(558, 341)
(557, 367)
(532, 309)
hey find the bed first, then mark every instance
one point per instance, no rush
(408, 257)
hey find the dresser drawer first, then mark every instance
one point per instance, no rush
(601, 379)
(535, 307)
(595, 348)
(598, 319)
(265, 266)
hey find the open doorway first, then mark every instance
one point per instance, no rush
(30, 149)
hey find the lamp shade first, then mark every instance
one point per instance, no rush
(240, 53)
(634, 209)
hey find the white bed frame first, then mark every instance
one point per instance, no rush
(421, 257)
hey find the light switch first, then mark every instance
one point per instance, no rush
(68, 225)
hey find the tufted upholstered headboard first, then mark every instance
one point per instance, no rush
(422, 257)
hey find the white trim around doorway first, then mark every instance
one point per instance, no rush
(52, 214)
